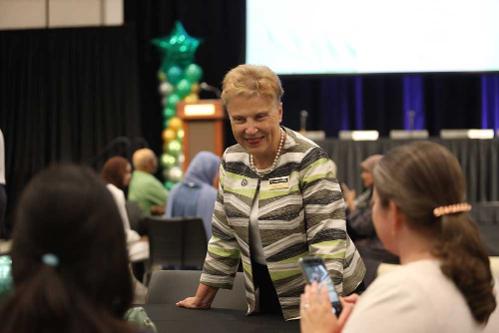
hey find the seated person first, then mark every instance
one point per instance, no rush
(359, 221)
(66, 279)
(145, 189)
(445, 282)
(360, 225)
(116, 173)
(195, 195)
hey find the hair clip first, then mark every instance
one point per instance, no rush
(50, 259)
(452, 209)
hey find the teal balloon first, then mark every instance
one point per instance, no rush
(167, 161)
(183, 87)
(172, 101)
(174, 148)
(178, 48)
(174, 74)
(6, 285)
(169, 185)
(193, 73)
(169, 112)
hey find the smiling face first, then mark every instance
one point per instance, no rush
(255, 125)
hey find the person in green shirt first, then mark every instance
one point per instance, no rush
(145, 189)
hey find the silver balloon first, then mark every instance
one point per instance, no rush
(181, 159)
(175, 174)
(165, 88)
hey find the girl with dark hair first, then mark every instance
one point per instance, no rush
(117, 171)
(65, 277)
(445, 282)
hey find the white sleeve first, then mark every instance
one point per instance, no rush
(119, 199)
(390, 306)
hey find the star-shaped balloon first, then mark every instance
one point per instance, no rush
(178, 48)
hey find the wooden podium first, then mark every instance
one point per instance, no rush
(203, 127)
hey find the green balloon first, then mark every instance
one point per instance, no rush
(174, 148)
(6, 285)
(172, 101)
(193, 73)
(180, 134)
(168, 112)
(183, 87)
(167, 160)
(174, 74)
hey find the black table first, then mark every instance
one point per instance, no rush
(169, 318)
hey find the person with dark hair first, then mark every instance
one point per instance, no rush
(65, 277)
(117, 173)
(445, 282)
(196, 194)
(360, 224)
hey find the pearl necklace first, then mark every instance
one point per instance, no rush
(276, 158)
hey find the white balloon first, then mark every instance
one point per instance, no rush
(165, 88)
(175, 174)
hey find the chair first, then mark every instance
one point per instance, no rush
(171, 286)
(176, 242)
(135, 216)
(486, 216)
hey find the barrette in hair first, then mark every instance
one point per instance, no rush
(452, 209)
(50, 259)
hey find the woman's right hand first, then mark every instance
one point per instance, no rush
(202, 300)
(193, 303)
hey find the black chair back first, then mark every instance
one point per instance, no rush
(486, 216)
(176, 242)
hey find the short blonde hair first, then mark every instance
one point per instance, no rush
(250, 81)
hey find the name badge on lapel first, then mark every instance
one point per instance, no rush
(279, 183)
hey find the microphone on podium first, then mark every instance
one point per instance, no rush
(205, 86)
(303, 121)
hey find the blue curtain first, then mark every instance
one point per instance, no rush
(342, 97)
(413, 102)
(490, 101)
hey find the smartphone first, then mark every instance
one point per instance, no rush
(314, 269)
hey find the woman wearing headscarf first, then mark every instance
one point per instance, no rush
(196, 195)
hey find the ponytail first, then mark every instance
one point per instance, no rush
(43, 302)
(465, 261)
(39, 302)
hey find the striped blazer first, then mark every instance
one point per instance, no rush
(301, 212)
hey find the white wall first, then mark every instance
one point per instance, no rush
(29, 14)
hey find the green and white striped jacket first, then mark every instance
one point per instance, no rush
(301, 212)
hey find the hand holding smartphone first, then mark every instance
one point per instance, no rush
(314, 269)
